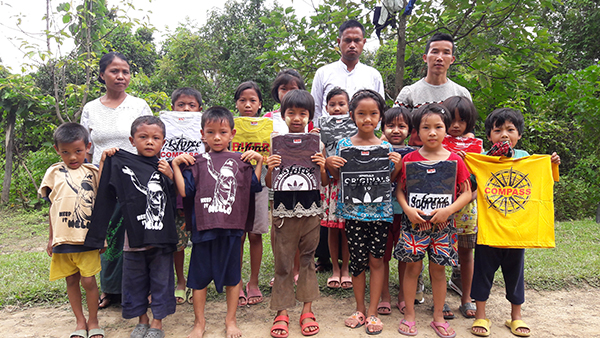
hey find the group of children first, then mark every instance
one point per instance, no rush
(224, 198)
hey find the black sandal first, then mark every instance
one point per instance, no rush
(104, 302)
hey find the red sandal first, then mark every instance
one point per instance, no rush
(309, 324)
(285, 327)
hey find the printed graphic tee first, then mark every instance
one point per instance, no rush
(223, 186)
(183, 134)
(515, 205)
(147, 199)
(365, 178)
(367, 212)
(427, 193)
(466, 144)
(297, 171)
(333, 129)
(253, 133)
(72, 193)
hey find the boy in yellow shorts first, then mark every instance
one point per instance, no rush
(70, 186)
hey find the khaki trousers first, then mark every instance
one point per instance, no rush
(287, 235)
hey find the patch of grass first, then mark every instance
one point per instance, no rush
(23, 230)
(575, 259)
(24, 272)
(24, 280)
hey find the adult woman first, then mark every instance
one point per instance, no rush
(108, 120)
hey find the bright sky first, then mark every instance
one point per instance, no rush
(165, 13)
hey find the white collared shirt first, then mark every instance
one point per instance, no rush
(336, 74)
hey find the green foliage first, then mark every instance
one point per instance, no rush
(218, 56)
(33, 165)
(305, 44)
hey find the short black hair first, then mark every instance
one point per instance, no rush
(351, 24)
(149, 120)
(428, 109)
(71, 132)
(186, 91)
(217, 114)
(440, 37)
(366, 94)
(106, 60)
(283, 78)
(249, 85)
(337, 91)
(498, 117)
(466, 110)
(298, 98)
(397, 112)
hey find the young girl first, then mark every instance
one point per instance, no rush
(396, 128)
(248, 101)
(286, 80)
(367, 224)
(337, 104)
(436, 236)
(295, 228)
(464, 116)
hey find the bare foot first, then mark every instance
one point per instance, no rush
(198, 330)
(232, 330)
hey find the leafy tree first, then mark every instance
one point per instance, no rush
(139, 48)
(575, 24)
(307, 43)
(25, 120)
(218, 56)
(500, 46)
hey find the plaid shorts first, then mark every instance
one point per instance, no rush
(467, 241)
(440, 245)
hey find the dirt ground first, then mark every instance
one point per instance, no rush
(572, 313)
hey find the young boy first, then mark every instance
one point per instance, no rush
(183, 135)
(503, 127)
(70, 186)
(220, 185)
(144, 187)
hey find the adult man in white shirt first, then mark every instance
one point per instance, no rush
(347, 73)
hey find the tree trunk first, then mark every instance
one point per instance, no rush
(9, 142)
(400, 53)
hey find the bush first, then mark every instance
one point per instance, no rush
(575, 198)
(22, 189)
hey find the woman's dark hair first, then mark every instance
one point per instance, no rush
(284, 77)
(428, 109)
(466, 110)
(366, 94)
(397, 112)
(106, 60)
(298, 98)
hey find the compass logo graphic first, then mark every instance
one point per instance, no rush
(508, 191)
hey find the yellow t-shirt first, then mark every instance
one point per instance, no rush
(515, 202)
(72, 194)
(253, 133)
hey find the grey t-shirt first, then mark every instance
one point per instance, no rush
(421, 93)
